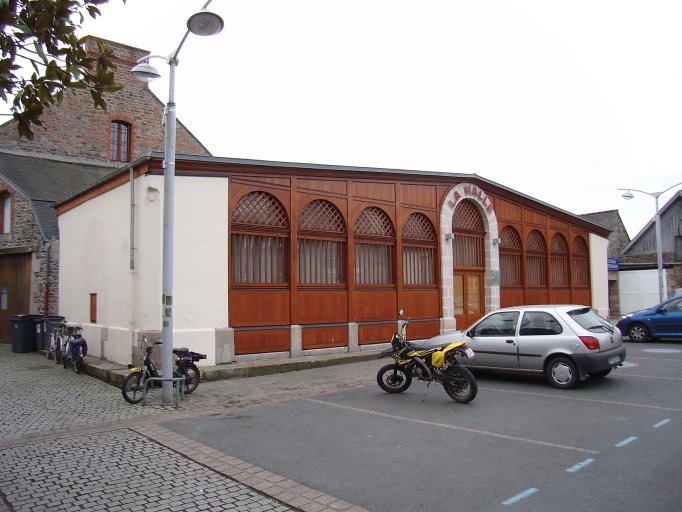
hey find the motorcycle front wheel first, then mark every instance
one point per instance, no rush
(392, 378)
(465, 388)
(132, 388)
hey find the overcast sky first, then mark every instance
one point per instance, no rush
(563, 101)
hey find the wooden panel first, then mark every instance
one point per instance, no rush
(582, 296)
(325, 337)
(321, 306)
(376, 333)
(537, 296)
(423, 330)
(508, 211)
(560, 296)
(331, 186)
(15, 275)
(256, 307)
(375, 305)
(536, 218)
(282, 182)
(258, 342)
(556, 223)
(511, 297)
(419, 195)
(374, 190)
(420, 304)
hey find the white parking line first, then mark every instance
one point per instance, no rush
(580, 465)
(625, 441)
(650, 376)
(521, 496)
(455, 427)
(660, 423)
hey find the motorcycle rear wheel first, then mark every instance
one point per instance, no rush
(132, 388)
(464, 392)
(393, 378)
(193, 373)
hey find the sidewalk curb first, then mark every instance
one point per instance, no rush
(114, 373)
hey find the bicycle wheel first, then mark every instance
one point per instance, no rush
(78, 363)
(66, 352)
(50, 349)
(133, 389)
(59, 344)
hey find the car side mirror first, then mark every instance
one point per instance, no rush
(470, 334)
(660, 310)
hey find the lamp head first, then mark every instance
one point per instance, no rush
(145, 72)
(205, 23)
(627, 195)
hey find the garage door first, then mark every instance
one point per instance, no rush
(638, 289)
(15, 286)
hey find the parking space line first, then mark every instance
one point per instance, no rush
(455, 427)
(649, 376)
(521, 496)
(660, 423)
(580, 465)
(625, 441)
(655, 359)
(581, 399)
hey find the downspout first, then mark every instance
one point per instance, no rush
(132, 218)
(46, 311)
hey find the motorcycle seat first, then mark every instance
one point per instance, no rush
(181, 352)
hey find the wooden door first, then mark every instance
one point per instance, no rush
(15, 285)
(469, 297)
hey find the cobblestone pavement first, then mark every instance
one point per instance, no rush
(70, 442)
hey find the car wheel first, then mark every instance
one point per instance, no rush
(562, 373)
(638, 333)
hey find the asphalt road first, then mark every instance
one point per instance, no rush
(610, 444)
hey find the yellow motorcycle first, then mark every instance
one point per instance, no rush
(427, 362)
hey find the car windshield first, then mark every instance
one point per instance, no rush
(588, 319)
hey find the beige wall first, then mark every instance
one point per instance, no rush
(599, 275)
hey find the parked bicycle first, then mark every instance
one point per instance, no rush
(51, 349)
(74, 348)
(134, 384)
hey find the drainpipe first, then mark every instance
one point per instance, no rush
(47, 280)
(132, 219)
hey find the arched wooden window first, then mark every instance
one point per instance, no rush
(560, 262)
(419, 250)
(260, 233)
(581, 262)
(374, 256)
(511, 251)
(320, 252)
(469, 231)
(536, 259)
(119, 141)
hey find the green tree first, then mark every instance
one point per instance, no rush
(41, 34)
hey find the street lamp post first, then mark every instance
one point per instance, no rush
(662, 294)
(202, 23)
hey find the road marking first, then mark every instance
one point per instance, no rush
(583, 399)
(625, 441)
(654, 359)
(662, 350)
(660, 423)
(580, 465)
(455, 427)
(651, 376)
(521, 496)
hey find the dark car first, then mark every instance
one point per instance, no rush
(661, 321)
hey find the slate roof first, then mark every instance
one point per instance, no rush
(608, 219)
(43, 181)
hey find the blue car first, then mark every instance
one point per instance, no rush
(662, 321)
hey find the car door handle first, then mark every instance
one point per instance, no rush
(510, 341)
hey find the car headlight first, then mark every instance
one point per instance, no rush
(626, 316)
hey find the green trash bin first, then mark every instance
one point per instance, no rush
(44, 326)
(23, 334)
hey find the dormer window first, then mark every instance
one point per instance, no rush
(119, 146)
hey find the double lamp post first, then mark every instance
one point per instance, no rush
(202, 23)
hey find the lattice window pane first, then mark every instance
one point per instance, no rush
(536, 242)
(373, 264)
(581, 272)
(536, 270)
(510, 269)
(321, 261)
(260, 208)
(580, 246)
(467, 217)
(374, 221)
(559, 243)
(320, 215)
(258, 259)
(559, 270)
(510, 238)
(417, 226)
(418, 265)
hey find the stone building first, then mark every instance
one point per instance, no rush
(80, 144)
(618, 240)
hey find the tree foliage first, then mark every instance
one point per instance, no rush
(41, 34)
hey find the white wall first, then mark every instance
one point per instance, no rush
(95, 258)
(599, 275)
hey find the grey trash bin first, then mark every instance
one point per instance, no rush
(23, 334)
(44, 326)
